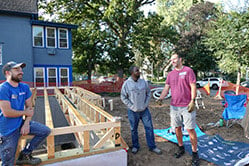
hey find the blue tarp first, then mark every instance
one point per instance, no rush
(212, 148)
(218, 151)
(169, 135)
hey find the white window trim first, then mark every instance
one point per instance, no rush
(67, 74)
(34, 36)
(55, 76)
(47, 37)
(43, 69)
(59, 38)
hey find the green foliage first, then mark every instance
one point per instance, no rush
(105, 34)
(229, 42)
(190, 45)
(175, 11)
(110, 94)
(153, 41)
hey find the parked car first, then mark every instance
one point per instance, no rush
(245, 84)
(214, 82)
(102, 79)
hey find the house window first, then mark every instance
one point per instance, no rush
(52, 78)
(51, 37)
(38, 36)
(63, 38)
(64, 77)
(39, 77)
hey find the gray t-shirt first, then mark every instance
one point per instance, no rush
(135, 95)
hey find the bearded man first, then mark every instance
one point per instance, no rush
(135, 94)
(15, 118)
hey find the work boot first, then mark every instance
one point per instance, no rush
(27, 159)
(157, 151)
(134, 150)
(180, 152)
(195, 159)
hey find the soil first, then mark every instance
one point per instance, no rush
(160, 116)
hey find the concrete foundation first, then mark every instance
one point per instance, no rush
(117, 158)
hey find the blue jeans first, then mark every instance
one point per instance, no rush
(145, 116)
(9, 143)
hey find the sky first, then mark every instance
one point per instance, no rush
(228, 5)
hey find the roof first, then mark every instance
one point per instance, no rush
(19, 6)
(53, 24)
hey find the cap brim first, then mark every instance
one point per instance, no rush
(22, 65)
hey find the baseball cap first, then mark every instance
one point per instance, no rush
(10, 65)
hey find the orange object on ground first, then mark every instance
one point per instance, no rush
(207, 88)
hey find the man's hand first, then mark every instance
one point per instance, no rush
(29, 112)
(191, 106)
(25, 129)
(159, 101)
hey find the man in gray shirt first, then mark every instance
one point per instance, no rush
(135, 94)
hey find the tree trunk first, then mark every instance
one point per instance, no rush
(120, 73)
(89, 73)
(238, 81)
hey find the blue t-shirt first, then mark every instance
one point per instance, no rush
(17, 97)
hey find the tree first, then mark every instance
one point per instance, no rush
(153, 43)
(190, 44)
(229, 41)
(115, 18)
(174, 11)
(87, 44)
(190, 19)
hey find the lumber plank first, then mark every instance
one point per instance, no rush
(102, 141)
(86, 146)
(49, 123)
(82, 128)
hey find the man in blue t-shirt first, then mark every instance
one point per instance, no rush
(15, 117)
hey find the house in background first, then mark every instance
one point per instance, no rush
(45, 47)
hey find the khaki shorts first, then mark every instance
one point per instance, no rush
(181, 117)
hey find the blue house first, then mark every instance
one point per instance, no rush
(45, 47)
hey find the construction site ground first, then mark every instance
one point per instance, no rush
(211, 114)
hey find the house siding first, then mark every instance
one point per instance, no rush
(61, 56)
(16, 42)
(17, 19)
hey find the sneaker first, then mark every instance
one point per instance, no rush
(134, 150)
(179, 153)
(27, 159)
(156, 150)
(195, 161)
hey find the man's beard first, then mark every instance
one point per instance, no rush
(16, 79)
(137, 76)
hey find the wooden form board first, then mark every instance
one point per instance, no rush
(89, 109)
(49, 123)
(102, 121)
(88, 95)
(33, 97)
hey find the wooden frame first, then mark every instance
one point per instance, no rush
(88, 95)
(84, 117)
